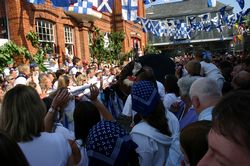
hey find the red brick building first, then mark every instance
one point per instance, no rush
(65, 32)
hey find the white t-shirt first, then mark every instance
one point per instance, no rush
(73, 71)
(84, 156)
(211, 71)
(127, 109)
(161, 89)
(21, 80)
(6, 71)
(50, 149)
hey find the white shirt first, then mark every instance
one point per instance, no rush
(161, 89)
(84, 156)
(127, 109)
(211, 71)
(20, 80)
(153, 146)
(206, 114)
(50, 149)
(169, 99)
(73, 71)
(6, 71)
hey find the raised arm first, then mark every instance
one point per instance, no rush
(59, 101)
(94, 92)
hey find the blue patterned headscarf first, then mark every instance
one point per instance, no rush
(109, 144)
(145, 97)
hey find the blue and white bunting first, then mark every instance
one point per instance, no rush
(181, 32)
(37, 2)
(240, 16)
(129, 9)
(146, 2)
(63, 3)
(81, 7)
(211, 3)
(241, 3)
(104, 5)
(231, 21)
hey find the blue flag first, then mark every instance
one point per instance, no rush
(148, 1)
(63, 3)
(129, 9)
(222, 11)
(36, 1)
(211, 3)
(104, 5)
(241, 3)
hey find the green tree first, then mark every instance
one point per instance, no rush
(115, 46)
(109, 54)
(97, 48)
(9, 51)
(38, 57)
(149, 49)
(248, 23)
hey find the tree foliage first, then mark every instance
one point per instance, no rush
(9, 51)
(149, 49)
(109, 54)
(115, 46)
(97, 48)
(38, 57)
(248, 22)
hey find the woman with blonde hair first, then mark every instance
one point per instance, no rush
(22, 117)
(81, 79)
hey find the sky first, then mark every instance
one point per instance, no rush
(232, 3)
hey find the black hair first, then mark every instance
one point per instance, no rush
(158, 120)
(170, 84)
(86, 115)
(76, 60)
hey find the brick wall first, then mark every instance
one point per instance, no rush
(22, 15)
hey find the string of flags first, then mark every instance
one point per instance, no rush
(211, 3)
(81, 7)
(129, 7)
(178, 29)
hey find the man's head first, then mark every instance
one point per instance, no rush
(184, 84)
(193, 68)
(76, 61)
(24, 69)
(229, 137)
(204, 93)
(241, 80)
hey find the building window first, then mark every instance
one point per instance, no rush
(135, 43)
(3, 28)
(91, 38)
(45, 31)
(90, 42)
(69, 44)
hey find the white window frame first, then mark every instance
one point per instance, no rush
(46, 32)
(69, 39)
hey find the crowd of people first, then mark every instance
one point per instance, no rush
(102, 114)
